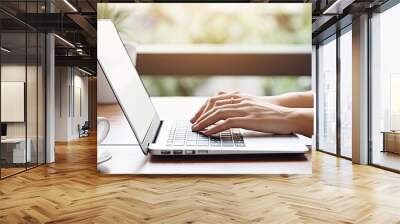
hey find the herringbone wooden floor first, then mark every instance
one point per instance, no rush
(70, 191)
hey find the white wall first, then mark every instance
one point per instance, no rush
(68, 81)
(81, 83)
(62, 81)
(12, 73)
(33, 126)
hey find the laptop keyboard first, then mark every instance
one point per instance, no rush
(181, 134)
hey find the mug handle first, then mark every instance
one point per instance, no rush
(102, 136)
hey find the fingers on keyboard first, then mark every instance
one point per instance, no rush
(181, 135)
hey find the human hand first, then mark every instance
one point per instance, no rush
(224, 98)
(244, 113)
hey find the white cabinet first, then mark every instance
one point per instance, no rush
(15, 148)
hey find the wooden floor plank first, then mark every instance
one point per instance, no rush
(70, 191)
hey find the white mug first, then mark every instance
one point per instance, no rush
(103, 127)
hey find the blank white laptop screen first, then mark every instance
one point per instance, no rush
(123, 78)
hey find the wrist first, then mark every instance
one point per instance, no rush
(272, 99)
(292, 117)
(301, 121)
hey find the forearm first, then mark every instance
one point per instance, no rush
(294, 100)
(302, 121)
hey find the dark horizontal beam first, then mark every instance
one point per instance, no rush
(338, 6)
(76, 61)
(11, 22)
(63, 51)
(332, 29)
(50, 22)
(10, 25)
(84, 24)
(223, 64)
(20, 59)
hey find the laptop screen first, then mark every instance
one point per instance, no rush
(124, 79)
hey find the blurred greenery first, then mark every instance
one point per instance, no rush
(172, 86)
(188, 86)
(202, 23)
(283, 84)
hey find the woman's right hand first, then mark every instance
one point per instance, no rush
(250, 115)
(235, 110)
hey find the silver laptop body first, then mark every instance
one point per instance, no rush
(173, 137)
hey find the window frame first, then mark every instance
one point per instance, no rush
(27, 29)
(379, 10)
(333, 37)
(342, 32)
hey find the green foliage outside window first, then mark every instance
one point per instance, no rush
(222, 24)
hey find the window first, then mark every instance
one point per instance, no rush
(232, 28)
(22, 76)
(335, 74)
(346, 93)
(385, 89)
(327, 96)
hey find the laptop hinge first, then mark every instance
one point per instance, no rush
(158, 131)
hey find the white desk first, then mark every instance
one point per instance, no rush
(18, 151)
(129, 159)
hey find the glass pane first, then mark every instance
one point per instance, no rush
(41, 98)
(327, 97)
(22, 79)
(31, 100)
(346, 94)
(13, 87)
(385, 86)
(32, 88)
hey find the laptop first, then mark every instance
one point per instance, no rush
(173, 137)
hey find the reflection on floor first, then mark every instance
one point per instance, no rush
(10, 171)
(387, 159)
(71, 191)
(11, 168)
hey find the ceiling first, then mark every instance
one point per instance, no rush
(332, 15)
(74, 22)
